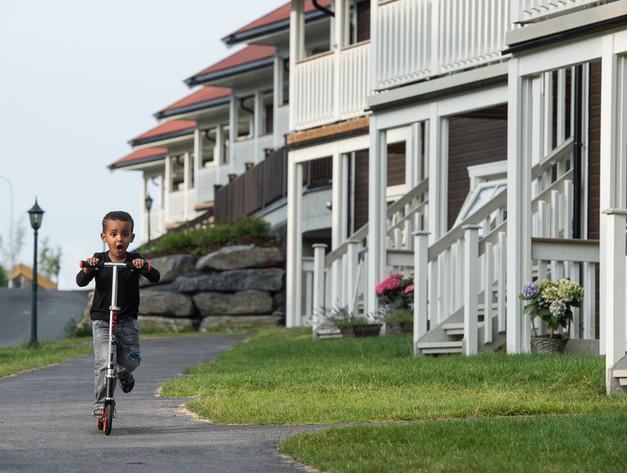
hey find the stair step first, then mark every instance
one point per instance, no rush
(620, 373)
(440, 348)
(456, 328)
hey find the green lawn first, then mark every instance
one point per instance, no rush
(576, 443)
(21, 358)
(283, 377)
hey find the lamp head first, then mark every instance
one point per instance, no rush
(36, 215)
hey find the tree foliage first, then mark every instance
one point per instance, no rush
(50, 260)
(4, 278)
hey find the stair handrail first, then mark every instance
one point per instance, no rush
(362, 232)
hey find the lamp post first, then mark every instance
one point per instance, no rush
(148, 203)
(36, 214)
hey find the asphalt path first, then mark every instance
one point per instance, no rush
(46, 424)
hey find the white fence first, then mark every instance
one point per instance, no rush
(331, 86)
(417, 39)
(527, 11)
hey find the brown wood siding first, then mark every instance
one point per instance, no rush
(363, 20)
(396, 164)
(594, 149)
(471, 141)
(360, 208)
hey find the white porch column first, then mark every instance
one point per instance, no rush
(438, 174)
(233, 130)
(294, 243)
(338, 231)
(374, 43)
(471, 289)
(339, 37)
(167, 189)
(198, 157)
(414, 157)
(219, 159)
(142, 205)
(421, 261)
(258, 124)
(612, 219)
(187, 185)
(162, 198)
(277, 97)
(377, 212)
(297, 50)
(318, 283)
(518, 208)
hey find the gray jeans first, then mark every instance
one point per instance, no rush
(128, 357)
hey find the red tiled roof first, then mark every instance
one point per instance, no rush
(251, 53)
(139, 155)
(166, 128)
(280, 14)
(204, 94)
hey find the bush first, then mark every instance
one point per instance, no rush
(198, 241)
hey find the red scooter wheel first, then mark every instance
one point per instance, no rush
(108, 419)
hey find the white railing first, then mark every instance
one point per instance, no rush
(528, 11)
(176, 207)
(418, 39)
(343, 279)
(331, 86)
(313, 94)
(354, 83)
(467, 267)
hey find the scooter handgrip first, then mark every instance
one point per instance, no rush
(85, 264)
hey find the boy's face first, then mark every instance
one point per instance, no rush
(118, 235)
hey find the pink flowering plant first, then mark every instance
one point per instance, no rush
(552, 301)
(397, 291)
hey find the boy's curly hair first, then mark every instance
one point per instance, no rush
(117, 215)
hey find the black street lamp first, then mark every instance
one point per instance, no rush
(148, 203)
(36, 215)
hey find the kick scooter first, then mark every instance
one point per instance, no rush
(106, 421)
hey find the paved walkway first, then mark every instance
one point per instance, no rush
(46, 423)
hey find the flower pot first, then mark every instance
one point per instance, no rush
(549, 344)
(396, 328)
(347, 331)
(367, 330)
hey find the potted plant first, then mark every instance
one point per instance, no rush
(396, 295)
(552, 301)
(355, 325)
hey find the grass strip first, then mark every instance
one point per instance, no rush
(283, 377)
(575, 443)
(22, 358)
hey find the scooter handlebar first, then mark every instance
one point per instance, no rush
(101, 264)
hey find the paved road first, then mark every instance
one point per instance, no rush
(54, 310)
(46, 424)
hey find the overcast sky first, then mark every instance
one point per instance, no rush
(78, 79)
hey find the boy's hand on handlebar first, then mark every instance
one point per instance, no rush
(138, 263)
(92, 262)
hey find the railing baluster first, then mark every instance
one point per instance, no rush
(487, 294)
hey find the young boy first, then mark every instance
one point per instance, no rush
(117, 233)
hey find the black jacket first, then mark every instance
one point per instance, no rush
(128, 287)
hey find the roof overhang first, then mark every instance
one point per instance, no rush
(230, 72)
(163, 138)
(196, 107)
(255, 34)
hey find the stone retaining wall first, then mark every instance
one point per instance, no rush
(237, 286)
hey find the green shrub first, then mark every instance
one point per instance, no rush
(198, 241)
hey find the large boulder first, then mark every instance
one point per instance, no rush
(165, 303)
(149, 324)
(171, 267)
(268, 279)
(238, 322)
(240, 257)
(239, 303)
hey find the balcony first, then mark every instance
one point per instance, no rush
(531, 11)
(420, 39)
(331, 86)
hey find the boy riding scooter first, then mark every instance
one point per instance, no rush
(114, 311)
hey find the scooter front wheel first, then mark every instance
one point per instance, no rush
(108, 419)
(100, 423)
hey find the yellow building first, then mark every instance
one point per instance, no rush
(21, 276)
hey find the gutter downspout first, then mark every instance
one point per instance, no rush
(577, 151)
(324, 10)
